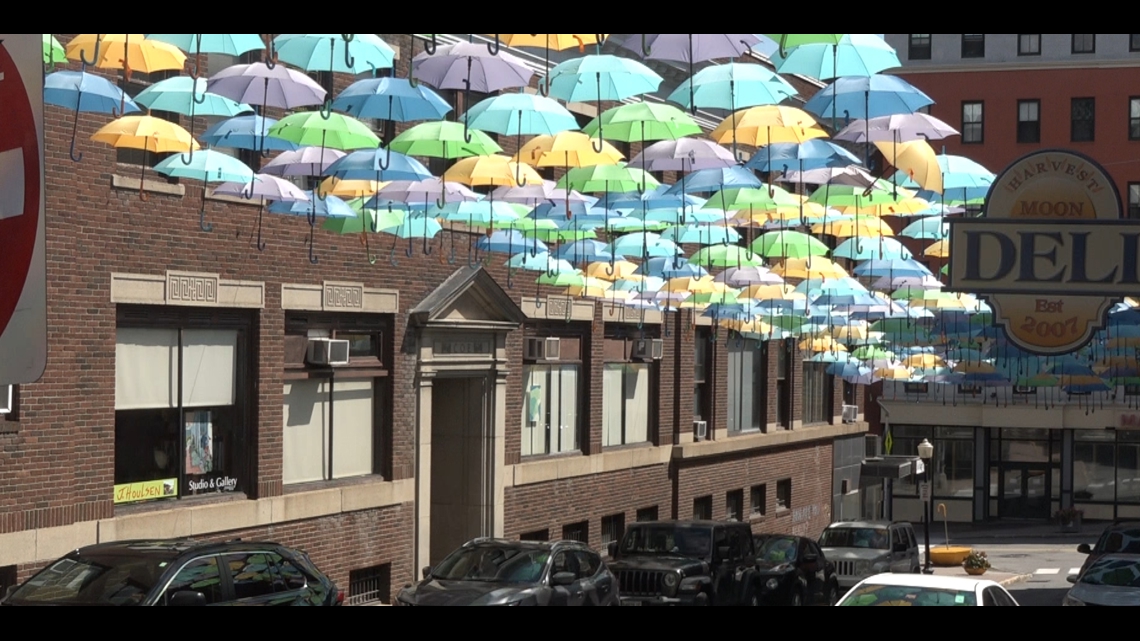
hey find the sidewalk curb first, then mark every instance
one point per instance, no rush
(1019, 578)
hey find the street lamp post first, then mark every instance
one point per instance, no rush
(926, 453)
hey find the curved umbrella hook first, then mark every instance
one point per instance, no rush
(428, 251)
(205, 226)
(349, 59)
(260, 243)
(543, 83)
(392, 253)
(411, 250)
(75, 128)
(313, 260)
(270, 54)
(451, 256)
(431, 48)
(95, 56)
(195, 65)
(472, 258)
(367, 249)
(493, 49)
(647, 50)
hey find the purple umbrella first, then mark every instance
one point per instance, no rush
(306, 161)
(268, 86)
(686, 154)
(745, 276)
(426, 191)
(852, 175)
(897, 128)
(534, 194)
(692, 48)
(266, 187)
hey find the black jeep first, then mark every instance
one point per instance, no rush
(686, 563)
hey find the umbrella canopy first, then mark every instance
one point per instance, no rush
(206, 165)
(521, 114)
(685, 154)
(444, 139)
(128, 51)
(188, 96)
(788, 41)
(230, 44)
(328, 206)
(391, 99)
(353, 53)
(53, 50)
(428, 190)
(759, 126)
(377, 164)
(81, 91)
(811, 267)
(257, 84)
(916, 159)
(472, 67)
(732, 86)
(567, 149)
(856, 54)
(265, 187)
(896, 128)
(791, 244)
(810, 154)
(246, 132)
(868, 97)
(871, 249)
(642, 121)
(600, 77)
(607, 178)
(494, 170)
(303, 161)
(146, 132)
(326, 130)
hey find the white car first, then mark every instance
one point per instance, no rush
(926, 589)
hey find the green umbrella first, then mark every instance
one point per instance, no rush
(788, 244)
(852, 196)
(562, 279)
(791, 40)
(871, 353)
(725, 256)
(337, 131)
(607, 178)
(444, 139)
(529, 225)
(642, 121)
(753, 199)
(53, 51)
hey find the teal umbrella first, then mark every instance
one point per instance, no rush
(521, 114)
(208, 166)
(856, 54)
(188, 96)
(353, 53)
(861, 248)
(600, 77)
(732, 86)
(930, 228)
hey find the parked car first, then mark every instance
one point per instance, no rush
(860, 549)
(180, 572)
(927, 589)
(1122, 537)
(794, 571)
(487, 571)
(1112, 579)
(687, 563)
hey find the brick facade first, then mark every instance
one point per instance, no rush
(57, 464)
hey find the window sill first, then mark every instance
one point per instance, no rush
(126, 509)
(783, 511)
(626, 446)
(235, 200)
(311, 486)
(153, 186)
(539, 458)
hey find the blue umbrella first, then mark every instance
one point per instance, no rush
(670, 267)
(868, 97)
(644, 245)
(812, 154)
(882, 248)
(379, 165)
(585, 251)
(929, 228)
(230, 44)
(394, 99)
(521, 114)
(582, 215)
(246, 132)
(82, 91)
(657, 198)
(354, 53)
(329, 207)
(709, 180)
(701, 235)
(732, 86)
(894, 267)
(508, 241)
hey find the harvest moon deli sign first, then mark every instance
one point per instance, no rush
(1051, 253)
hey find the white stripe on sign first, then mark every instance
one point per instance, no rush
(11, 183)
(1048, 571)
(1074, 570)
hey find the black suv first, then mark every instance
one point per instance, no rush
(686, 563)
(179, 572)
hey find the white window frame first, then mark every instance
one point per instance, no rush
(7, 406)
(607, 395)
(567, 438)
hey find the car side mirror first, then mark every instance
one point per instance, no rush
(901, 547)
(563, 578)
(1084, 548)
(426, 571)
(187, 597)
(612, 549)
(1072, 578)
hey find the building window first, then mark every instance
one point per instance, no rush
(1134, 42)
(702, 508)
(919, 46)
(953, 464)
(1029, 44)
(625, 403)
(784, 383)
(1134, 200)
(646, 514)
(734, 505)
(1106, 465)
(784, 494)
(973, 45)
(1084, 43)
(1029, 121)
(1134, 118)
(816, 393)
(551, 400)
(333, 418)
(579, 531)
(702, 366)
(972, 122)
(370, 585)
(10, 403)
(759, 499)
(613, 528)
(181, 417)
(536, 535)
(747, 378)
(1083, 119)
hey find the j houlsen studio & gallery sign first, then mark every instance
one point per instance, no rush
(1051, 253)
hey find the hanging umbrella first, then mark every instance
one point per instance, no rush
(581, 251)
(126, 51)
(428, 190)
(896, 128)
(471, 67)
(365, 164)
(188, 96)
(208, 166)
(353, 53)
(230, 44)
(600, 77)
(394, 99)
(53, 50)
(521, 114)
(303, 161)
(701, 234)
(788, 41)
(326, 130)
(548, 42)
(748, 276)
(684, 155)
(852, 175)
(732, 86)
(868, 97)
(327, 207)
(856, 54)
(606, 178)
(567, 149)
(724, 255)
(245, 132)
(916, 159)
(348, 189)
(864, 227)
(265, 187)
(643, 121)
(443, 139)
(811, 267)
(929, 228)
(149, 134)
(764, 125)
(81, 91)
(692, 47)
(260, 84)
(871, 249)
(494, 170)
(810, 154)
(788, 244)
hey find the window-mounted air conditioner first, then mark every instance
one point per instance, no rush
(648, 349)
(1024, 389)
(325, 351)
(850, 413)
(542, 349)
(700, 430)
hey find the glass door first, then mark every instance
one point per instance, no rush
(1026, 490)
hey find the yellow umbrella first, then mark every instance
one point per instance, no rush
(496, 170)
(822, 344)
(567, 149)
(893, 373)
(851, 332)
(751, 325)
(924, 360)
(767, 124)
(552, 41)
(944, 302)
(148, 134)
(620, 269)
(349, 189)
(813, 267)
(590, 287)
(940, 249)
(126, 51)
(864, 227)
(771, 292)
(917, 159)
(613, 295)
(904, 207)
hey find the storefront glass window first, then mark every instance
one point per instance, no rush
(1128, 467)
(1094, 466)
(953, 463)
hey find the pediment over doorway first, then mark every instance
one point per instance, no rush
(470, 296)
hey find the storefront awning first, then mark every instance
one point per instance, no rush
(890, 467)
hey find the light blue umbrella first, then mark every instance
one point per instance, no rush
(584, 251)
(230, 44)
(645, 284)
(882, 248)
(391, 99)
(930, 228)
(509, 241)
(893, 267)
(867, 97)
(188, 96)
(958, 173)
(701, 235)
(208, 166)
(246, 132)
(732, 86)
(81, 91)
(856, 54)
(644, 245)
(354, 53)
(812, 154)
(378, 165)
(710, 180)
(599, 77)
(670, 267)
(328, 207)
(521, 114)
(540, 262)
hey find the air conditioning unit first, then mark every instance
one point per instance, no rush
(850, 413)
(648, 349)
(542, 349)
(872, 446)
(1024, 389)
(325, 351)
(700, 430)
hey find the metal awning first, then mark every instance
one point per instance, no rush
(890, 467)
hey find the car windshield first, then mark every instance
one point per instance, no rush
(781, 549)
(874, 538)
(97, 579)
(666, 539)
(1120, 573)
(872, 594)
(493, 564)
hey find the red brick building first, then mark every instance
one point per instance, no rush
(178, 364)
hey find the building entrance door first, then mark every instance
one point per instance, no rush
(1025, 491)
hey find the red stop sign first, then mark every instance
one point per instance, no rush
(17, 233)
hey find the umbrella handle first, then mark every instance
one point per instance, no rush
(368, 250)
(326, 107)
(270, 57)
(313, 260)
(493, 49)
(646, 50)
(428, 251)
(451, 256)
(387, 160)
(74, 129)
(430, 48)
(410, 251)
(510, 278)
(349, 59)
(260, 242)
(95, 56)
(205, 226)
(392, 253)
(472, 258)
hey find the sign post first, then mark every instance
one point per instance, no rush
(23, 267)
